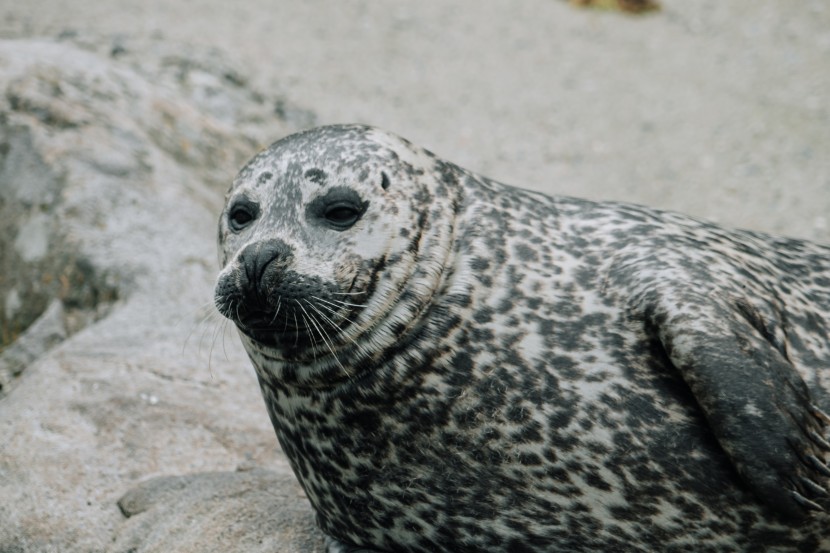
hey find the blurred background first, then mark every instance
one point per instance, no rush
(718, 109)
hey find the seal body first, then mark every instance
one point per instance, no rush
(454, 364)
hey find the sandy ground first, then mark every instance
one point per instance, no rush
(719, 109)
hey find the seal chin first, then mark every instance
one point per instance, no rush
(274, 333)
(265, 337)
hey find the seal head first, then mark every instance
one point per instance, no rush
(332, 241)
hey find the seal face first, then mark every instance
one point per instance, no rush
(326, 264)
(454, 364)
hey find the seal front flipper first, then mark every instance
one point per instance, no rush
(756, 403)
(336, 546)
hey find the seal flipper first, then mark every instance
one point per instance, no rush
(335, 546)
(756, 403)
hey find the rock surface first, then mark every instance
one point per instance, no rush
(254, 512)
(113, 169)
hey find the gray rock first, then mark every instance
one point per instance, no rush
(115, 370)
(46, 332)
(244, 512)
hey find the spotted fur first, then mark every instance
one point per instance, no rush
(467, 366)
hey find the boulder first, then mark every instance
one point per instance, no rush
(115, 369)
(256, 511)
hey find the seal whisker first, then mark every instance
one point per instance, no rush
(310, 332)
(332, 309)
(323, 317)
(277, 312)
(333, 325)
(209, 311)
(319, 328)
(203, 313)
(328, 306)
(220, 328)
(360, 348)
(224, 333)
(207, 329)
(202, 325)
(336, 303)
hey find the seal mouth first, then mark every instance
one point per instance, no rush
(281, 309)
(263, 330)
(298, 324)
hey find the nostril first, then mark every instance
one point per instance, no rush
(270, 275)
(264, 256)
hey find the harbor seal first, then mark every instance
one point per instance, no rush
(454, 364)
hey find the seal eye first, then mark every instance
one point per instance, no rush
(338, 209)
(341, 215)
(241, 215)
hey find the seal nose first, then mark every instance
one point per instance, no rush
(262, 262)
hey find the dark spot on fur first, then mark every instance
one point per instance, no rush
(317, 176)
(524, 252)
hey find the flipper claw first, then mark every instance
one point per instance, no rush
(806, 503)
(813, 487)
(819, 465)
(820, 441)
(819, 413)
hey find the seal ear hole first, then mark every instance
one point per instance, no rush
(384, 181)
